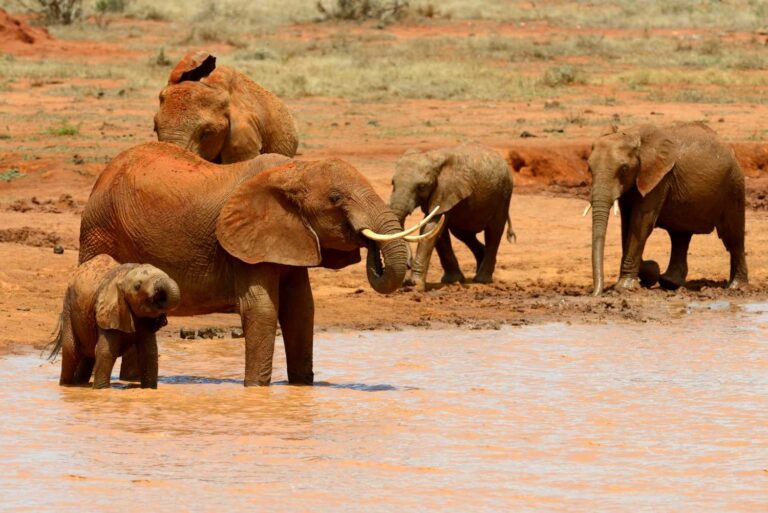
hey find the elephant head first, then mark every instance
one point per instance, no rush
(221, 114)
(139, 291)
(314, 214)
(431, 179)
(636, 159)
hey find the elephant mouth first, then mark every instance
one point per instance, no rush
(375, 258)
(160, 300)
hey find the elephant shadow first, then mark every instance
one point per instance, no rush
(202, 380)
(196, 380)
(698, 285)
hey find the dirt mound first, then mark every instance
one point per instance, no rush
(65, 203)
(30, 237)
(753, 158)
(13, 30)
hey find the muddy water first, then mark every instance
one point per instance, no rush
(571, 418)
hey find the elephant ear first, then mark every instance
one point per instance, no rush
(452, 185)
(261, 221)
(112, 311)
(193, 67)
(244, 141)
(336, 259)
(658, 154)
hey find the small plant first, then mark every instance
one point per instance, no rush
(363, 9)
(62, 11)
(64, 129)
(562, 75)
(160, 59)
(110, 6)
(11, 174)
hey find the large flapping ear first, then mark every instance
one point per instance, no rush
(112, 311)
(658, 154)
(336, 259)
(193, 67)
(452, 183)
(262, 222)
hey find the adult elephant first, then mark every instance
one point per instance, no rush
(241, 237)
(681, 178)
(221, 114)
(472, 187)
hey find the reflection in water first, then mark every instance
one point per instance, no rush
(588, 418)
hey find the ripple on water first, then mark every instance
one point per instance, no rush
(555, 417)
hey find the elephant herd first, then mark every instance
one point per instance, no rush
(219, 217)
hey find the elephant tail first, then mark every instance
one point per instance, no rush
(511, 235)
(58, 340)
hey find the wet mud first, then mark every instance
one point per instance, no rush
(549, 417)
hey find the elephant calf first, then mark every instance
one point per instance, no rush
(681, 178)
(472, 187)
(109, 308)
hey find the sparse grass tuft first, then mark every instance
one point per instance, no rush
(64, 129)
(11, 174)
(562, 75)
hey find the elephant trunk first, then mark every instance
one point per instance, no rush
(167, 295)
(600, 211)
(388, 276)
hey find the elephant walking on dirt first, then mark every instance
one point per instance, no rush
(240, 237)
(221, 114)
(681, 178)
(472, 187)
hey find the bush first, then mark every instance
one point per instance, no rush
(363, 9)
(562, 75)
(62, 11)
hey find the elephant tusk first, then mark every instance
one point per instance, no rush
(399, 235)
(430, 234)
(616, 207)
(586, 210)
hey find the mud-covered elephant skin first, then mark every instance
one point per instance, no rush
(472, 186)
(240, 237)
(221, 114)
(681, 178)
(110, 308)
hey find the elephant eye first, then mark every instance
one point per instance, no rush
(137, 286)
(334, 198)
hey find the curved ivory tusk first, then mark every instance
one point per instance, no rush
(586, 210)
(430, 234)
(399, 235)
(616, 207)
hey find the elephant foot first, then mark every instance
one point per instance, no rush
(257, 383)
(453, 277)
(627, 283)
(649, 273)
(301, 379)
(738, 284)
(670, 282)
(483, 278)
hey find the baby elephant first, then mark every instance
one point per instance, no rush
(109, 308)
(472, 186)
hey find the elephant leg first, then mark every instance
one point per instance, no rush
(677, 270)
(70, 358)
(641, 223)
(258, 297)
(493, 234)
(731, 232)
(451, 270)
(146, 353)
(84, 370)
(423, 256)
(475, 246)
(129, 366)
(108, 348)
(296, 315)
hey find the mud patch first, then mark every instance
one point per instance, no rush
(30, 237)
(65, 203)
(15, 31)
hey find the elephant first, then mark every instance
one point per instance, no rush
(679, 177)
(109, 308)
(240, 237)
(221, 114)
(472, 187)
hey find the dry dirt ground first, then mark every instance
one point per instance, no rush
(544, 277)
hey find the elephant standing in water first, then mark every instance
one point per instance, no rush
(221, 114)
(681, 178)
(109, 308)
(241, 237)
(472, 187)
